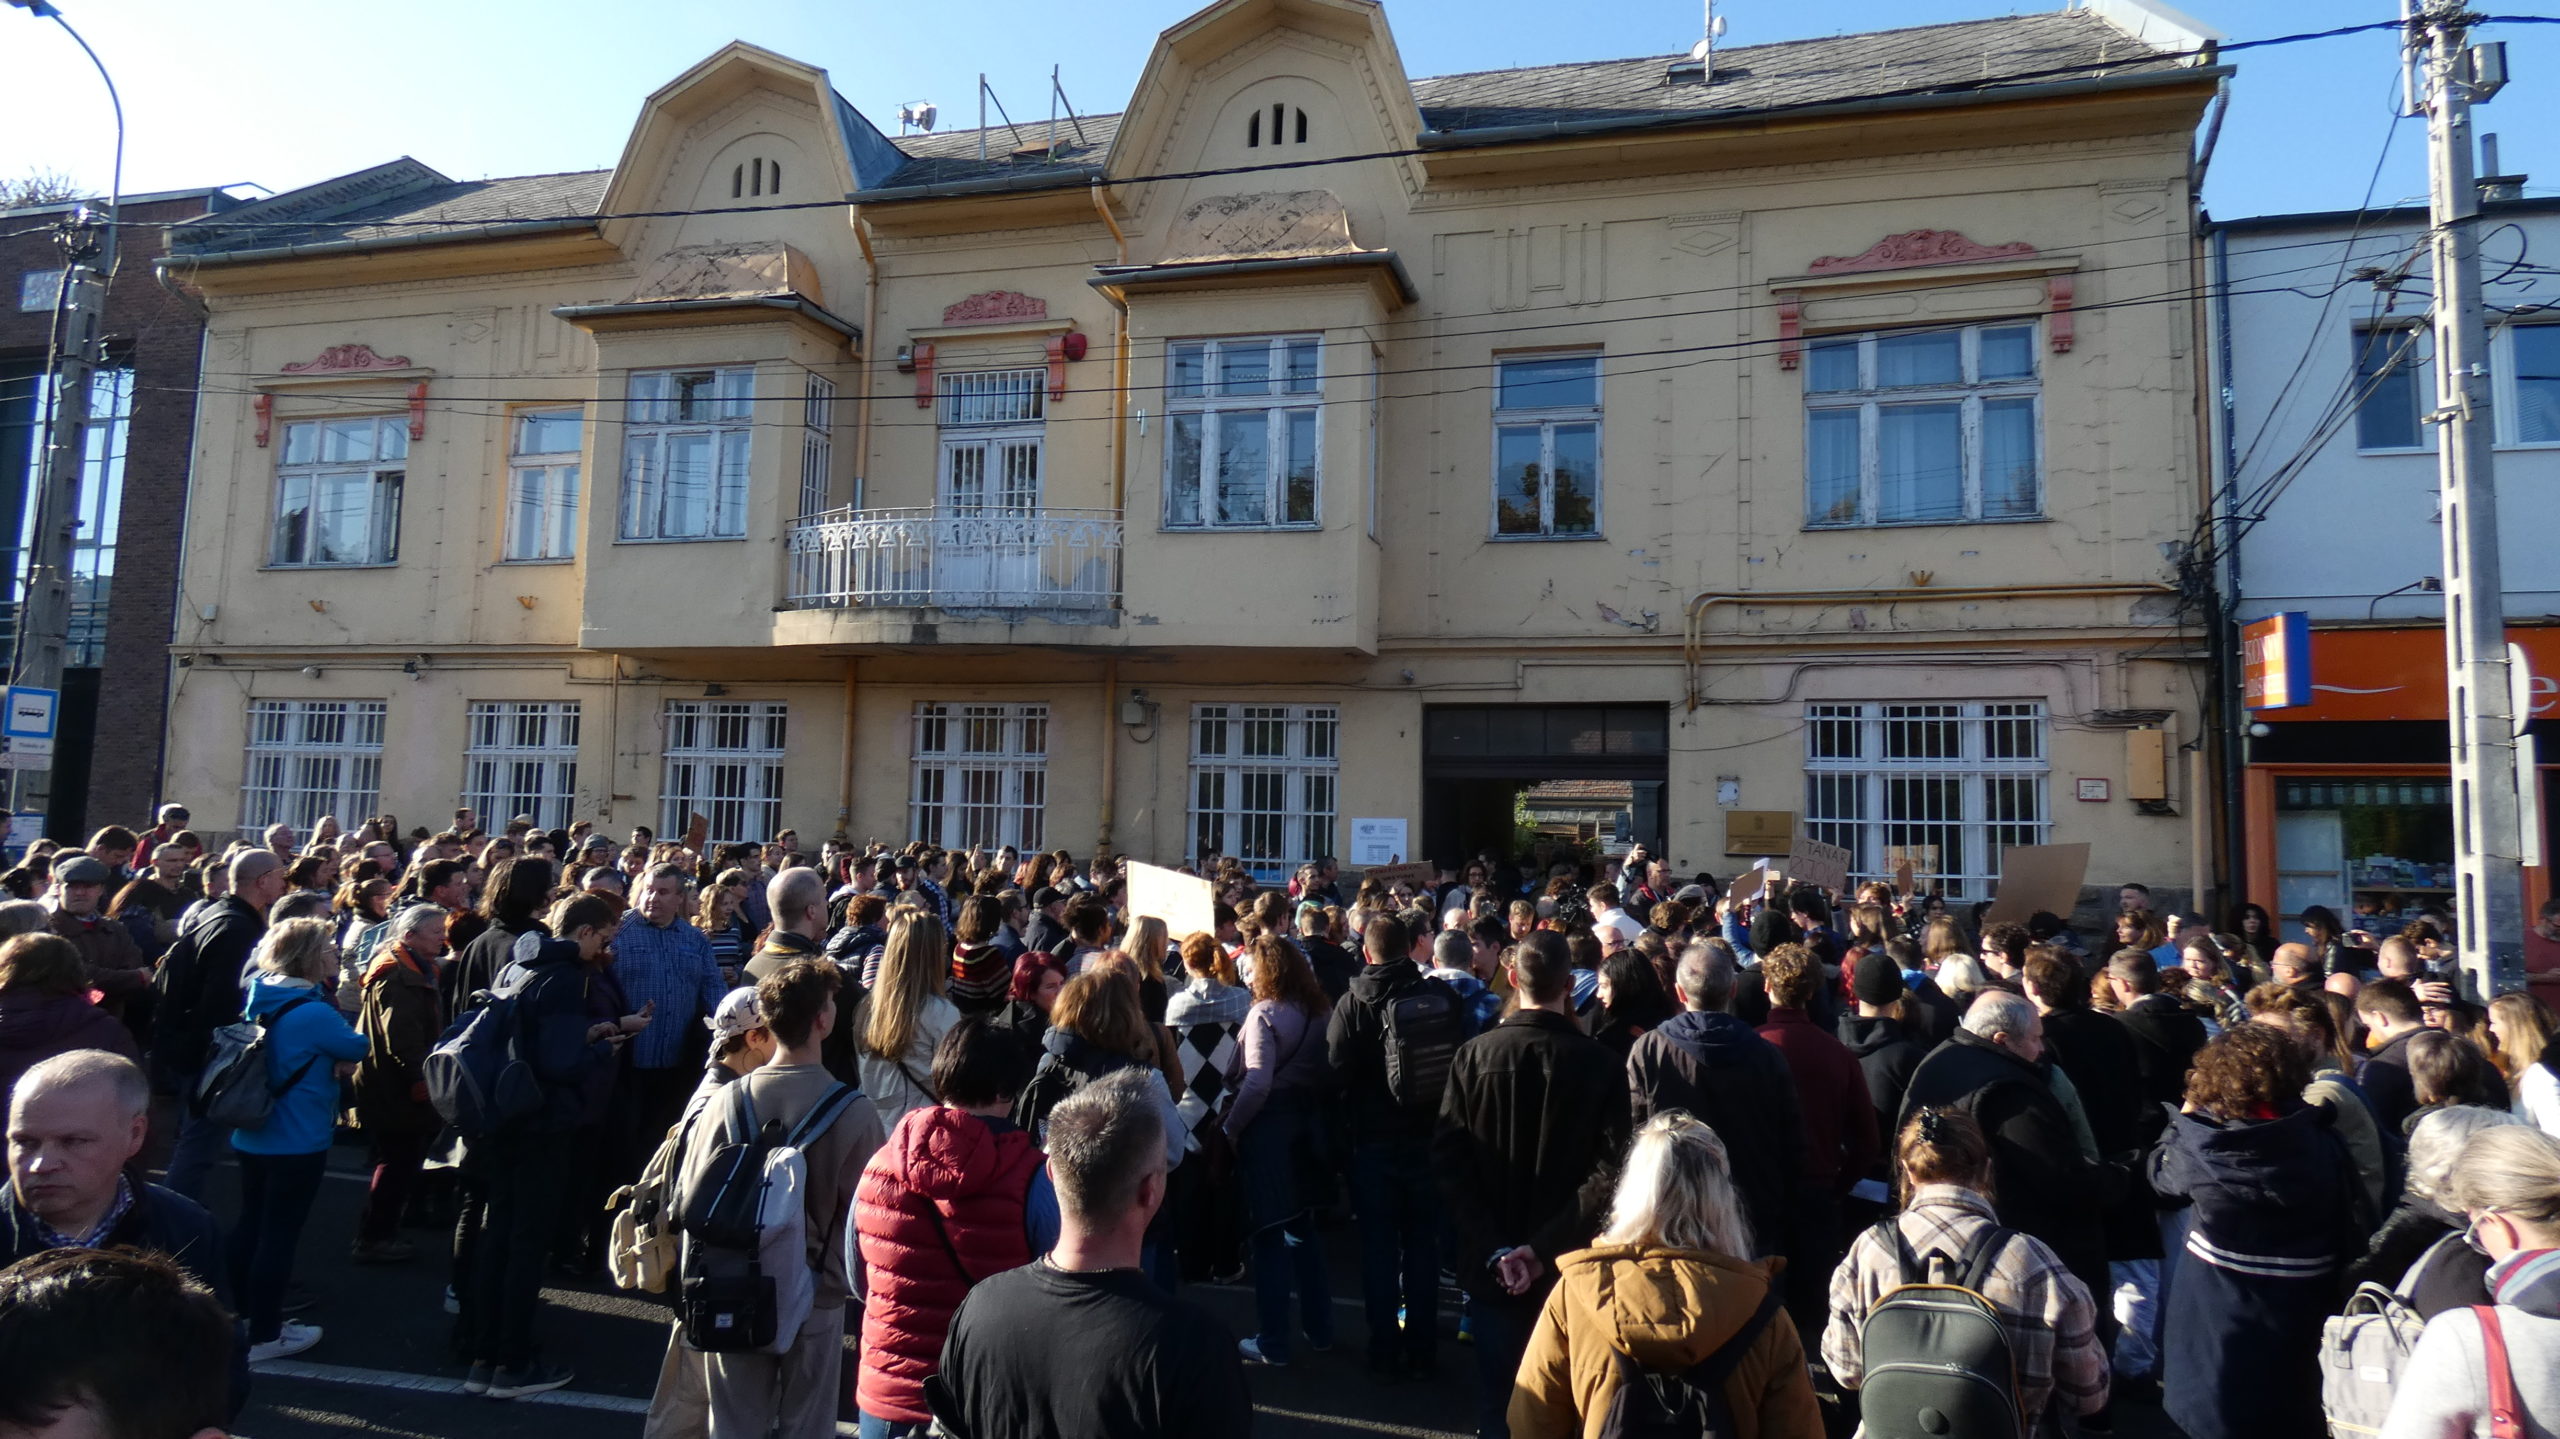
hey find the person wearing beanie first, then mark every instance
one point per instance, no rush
(1885, 1045)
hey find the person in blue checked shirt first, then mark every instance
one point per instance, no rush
(661, 959)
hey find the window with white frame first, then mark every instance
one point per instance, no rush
(685, 445)
(310, 758)
(1927, 426)
(981, 775)
(1264, 783)
(1242, 427)
(2532, 403)
(521, 757)
(724, 762)
(1944, 787)
(338, 491)
(817, 445)
(542, 486)
(2391, 388)
(994, 439)
(1546, 446)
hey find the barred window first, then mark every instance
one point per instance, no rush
(724, 761)
(817, 445)
(1264, 784)
(1944, 787)
(981, 775)
(521, 757)
(309, 758)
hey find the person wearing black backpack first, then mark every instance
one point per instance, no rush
(1663, 1329)
(1391, 1040)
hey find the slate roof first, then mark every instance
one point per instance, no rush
(387, 203)
(360, 208)
(1791, 74)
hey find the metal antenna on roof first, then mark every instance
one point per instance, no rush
(987, 92)
(919, 115)
(1704, 52)
(1059, 95)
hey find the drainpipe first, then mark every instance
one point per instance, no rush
(862, 407)
(1694, 638)
(1119, 365)
(844, 759)
(1110, 753)
(1119, 499)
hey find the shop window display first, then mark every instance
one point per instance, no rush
(2376, 848)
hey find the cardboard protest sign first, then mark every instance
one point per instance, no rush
(1184, 902)
(1416, 875)
(1902, 879)
(2038, 878)
(1816, 863)
(697, 833)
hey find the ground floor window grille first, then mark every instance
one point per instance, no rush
(521, 758)
(1944, 787)
(1264, 780)
(981, 775)
(310, 758)
(724, 762)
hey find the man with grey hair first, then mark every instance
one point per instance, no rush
(798, 899)
(1078, 1344)
(200, 982)
(1709, 1063)
(75, 1123)
(1993, 1069)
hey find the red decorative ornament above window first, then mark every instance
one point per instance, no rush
(990, 306)
(345, 359)
(1917, 247)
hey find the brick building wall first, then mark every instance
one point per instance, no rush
(160, 335)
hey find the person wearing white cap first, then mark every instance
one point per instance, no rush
(680, 1408)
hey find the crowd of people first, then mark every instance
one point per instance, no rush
(1765, 1161)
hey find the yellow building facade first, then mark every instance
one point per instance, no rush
(1811, 431)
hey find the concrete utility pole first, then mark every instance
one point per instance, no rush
(2487, 832)
(44, 619)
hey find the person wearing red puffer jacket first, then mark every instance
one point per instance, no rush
(956, 1195)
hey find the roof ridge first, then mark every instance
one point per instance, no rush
(2153, 52)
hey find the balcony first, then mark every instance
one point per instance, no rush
(1062, 565)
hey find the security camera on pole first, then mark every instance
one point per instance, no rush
(2449, 74)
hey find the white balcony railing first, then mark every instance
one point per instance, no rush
(1055, 561)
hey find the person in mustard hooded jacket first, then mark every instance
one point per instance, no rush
(1665, 1288)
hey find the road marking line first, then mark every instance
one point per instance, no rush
(437, 1384)
(1370, 1426)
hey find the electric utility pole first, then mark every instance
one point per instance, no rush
(2487, 826)
(44, 613)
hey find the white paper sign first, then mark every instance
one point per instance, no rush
(1184, 902)
(1377, 841)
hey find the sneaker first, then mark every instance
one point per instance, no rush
(531, 1379)
(452, 1301)
(478, 1382)
(290, 1340)
(1251, 1349)
(383, 1251)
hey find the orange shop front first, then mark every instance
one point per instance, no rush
(2347, 799)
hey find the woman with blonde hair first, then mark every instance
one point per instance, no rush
(2522, 1027)
(1145, 943)
(722, 921)
(1666, 1288)
(2507, 1183)
(309, 1046)
(905, 1015)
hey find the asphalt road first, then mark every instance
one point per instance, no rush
(382, 1368)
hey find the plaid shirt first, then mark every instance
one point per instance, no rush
(2051, 1323)
(673, 966)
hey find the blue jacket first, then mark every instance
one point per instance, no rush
(305, 1115)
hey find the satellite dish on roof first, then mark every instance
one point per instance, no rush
(918, 116)
(1715, 32)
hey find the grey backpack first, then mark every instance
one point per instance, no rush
(2363, 1350)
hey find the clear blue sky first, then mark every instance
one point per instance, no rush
(287, 92)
